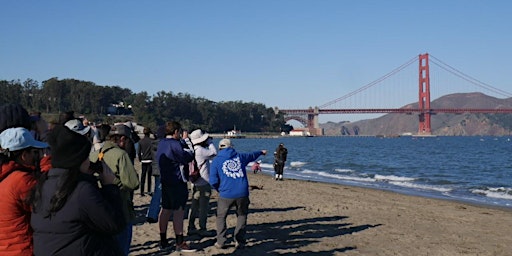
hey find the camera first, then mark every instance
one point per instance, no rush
(96, 166)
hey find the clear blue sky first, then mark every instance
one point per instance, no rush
(285, 53)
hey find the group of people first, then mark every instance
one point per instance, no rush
(65, 188)
(222, 170)
(68, 189)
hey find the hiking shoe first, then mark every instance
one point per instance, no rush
(219, 246)
(184, 247)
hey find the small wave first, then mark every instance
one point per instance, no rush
(343, 170)
(501, 193)
(297, 164)
(419, 186)
(392, 178)
(266, 166)
(339, 177)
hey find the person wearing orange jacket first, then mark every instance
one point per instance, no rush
(19, 153)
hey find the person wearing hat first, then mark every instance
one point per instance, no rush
(229, 177)
(77, 126)
(204, 151)
(19, 153)
(71, 214)
(112, 153)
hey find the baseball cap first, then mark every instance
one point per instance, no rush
(19, 138)
(77, 126)
(224, 143)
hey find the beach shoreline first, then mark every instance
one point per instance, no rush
(311, 217)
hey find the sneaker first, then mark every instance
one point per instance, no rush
(184, 247)
(163, 246)
(219, 246)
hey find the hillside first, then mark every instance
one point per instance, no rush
(442, 124)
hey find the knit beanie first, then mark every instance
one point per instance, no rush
(69, 149)
(14, 115)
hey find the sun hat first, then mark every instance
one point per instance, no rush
(197, 136)
(77, 126)
(120, 129)
(225, 143)
(69, 149)
(14, 139)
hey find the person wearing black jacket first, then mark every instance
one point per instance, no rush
(146, 160)
(71, 214)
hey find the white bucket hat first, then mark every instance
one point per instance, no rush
(197, 136)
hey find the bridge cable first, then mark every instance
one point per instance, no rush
(396, 70)
(468, 78)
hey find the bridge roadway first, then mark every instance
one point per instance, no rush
(393, 110)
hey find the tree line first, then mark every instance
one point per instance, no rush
(55, 96)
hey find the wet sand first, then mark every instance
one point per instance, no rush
(310, 218)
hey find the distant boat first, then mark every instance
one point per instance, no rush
(234, 134)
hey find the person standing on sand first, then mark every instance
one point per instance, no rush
(146, 160)
(116, 158)
(204, 150)
(154, 205)
(279, 160)
(174, 155)
(71, 214)
(229, 177)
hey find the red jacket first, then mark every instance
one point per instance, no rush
(16, 181)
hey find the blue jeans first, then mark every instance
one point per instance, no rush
(154, 206)
(124, 239)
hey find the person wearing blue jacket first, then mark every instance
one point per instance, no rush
(173, 154)
(228, 176)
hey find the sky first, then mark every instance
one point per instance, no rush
(284, 53)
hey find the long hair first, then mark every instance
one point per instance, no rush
(65, 186)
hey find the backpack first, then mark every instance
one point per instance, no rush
(98, 165)
(194, 171)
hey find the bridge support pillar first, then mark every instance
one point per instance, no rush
(424, 96)
(313, 124)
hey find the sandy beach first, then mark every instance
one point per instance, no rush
(310, 218)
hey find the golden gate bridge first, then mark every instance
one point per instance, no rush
(309, 117)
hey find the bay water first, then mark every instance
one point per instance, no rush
(469, 169)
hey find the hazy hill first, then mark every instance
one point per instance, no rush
(442, 124)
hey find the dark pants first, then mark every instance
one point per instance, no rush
(147, 170)
(242, 209)
(279, 167)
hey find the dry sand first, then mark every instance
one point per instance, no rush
(310, 218)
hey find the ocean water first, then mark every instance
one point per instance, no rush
(470, 169)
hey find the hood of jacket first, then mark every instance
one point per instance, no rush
(11, 166)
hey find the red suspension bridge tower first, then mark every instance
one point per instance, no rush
(424, 96)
